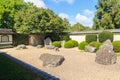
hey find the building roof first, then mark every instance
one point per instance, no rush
(94, 31)
(6, 31)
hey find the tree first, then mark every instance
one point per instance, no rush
(7, 10)
(106, 16)
(38, 20)
(78, 27)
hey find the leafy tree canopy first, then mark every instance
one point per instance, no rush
(78, 27)
(107, 15)
(38, 20)
(7, 10)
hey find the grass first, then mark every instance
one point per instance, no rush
(10, 70)
(6, 46)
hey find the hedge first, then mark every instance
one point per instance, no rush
(90, 38)
(20, 39)
(103, 36)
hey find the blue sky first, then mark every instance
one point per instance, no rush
(81, 11)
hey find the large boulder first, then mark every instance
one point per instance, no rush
(89, 48)
(105, 55)
(51, 60)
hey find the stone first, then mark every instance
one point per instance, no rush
(56, 49)
(90, 49)
(47, 41)
(22, 46)
(50, 60)
(105, 55)
(49, 46)
(62, 43)
(39, 46)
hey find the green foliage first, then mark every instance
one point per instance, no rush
(65, 36)
(75, 43)
(20, 39)
(116, 46)
(68, 44)
(78, 27)
(106, 16)
(71, 44)
(82, 45)
(38, 20)
(57, 44)
(10, 70)
(95, 44)
(90, 38)
(103, 36)
(7, 10)
(5, 46)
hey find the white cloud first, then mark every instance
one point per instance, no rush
(38, 3)
(87, 12)
(86, 21)
(63, 15)
(68, 1)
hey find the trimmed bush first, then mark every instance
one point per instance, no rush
(20, 39)
(57, 44)
(103, 36)
(90, 38)
(75, 43)
(95, 44)
(69, 44)
(116, 46)
(82, 45)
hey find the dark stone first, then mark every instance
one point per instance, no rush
(105, 55)
(51, 60)
(89, 49)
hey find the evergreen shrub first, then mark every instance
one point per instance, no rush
(20, 39)
(82, 45)
(95, 44)
(90, 38)
(116, 46)
(103, 36)
(57, 44)
(69, 44)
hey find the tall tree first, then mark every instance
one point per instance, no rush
(38, 20)
(78, 27)
(106, 16)
(7, 10)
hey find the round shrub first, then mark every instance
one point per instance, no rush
(116, 46)
(103, 36)
(90, 38)
(69, 44)
(57, 44)
(95, 44)
(75, 43)
(82, 45)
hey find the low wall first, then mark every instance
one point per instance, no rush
(80, 36)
